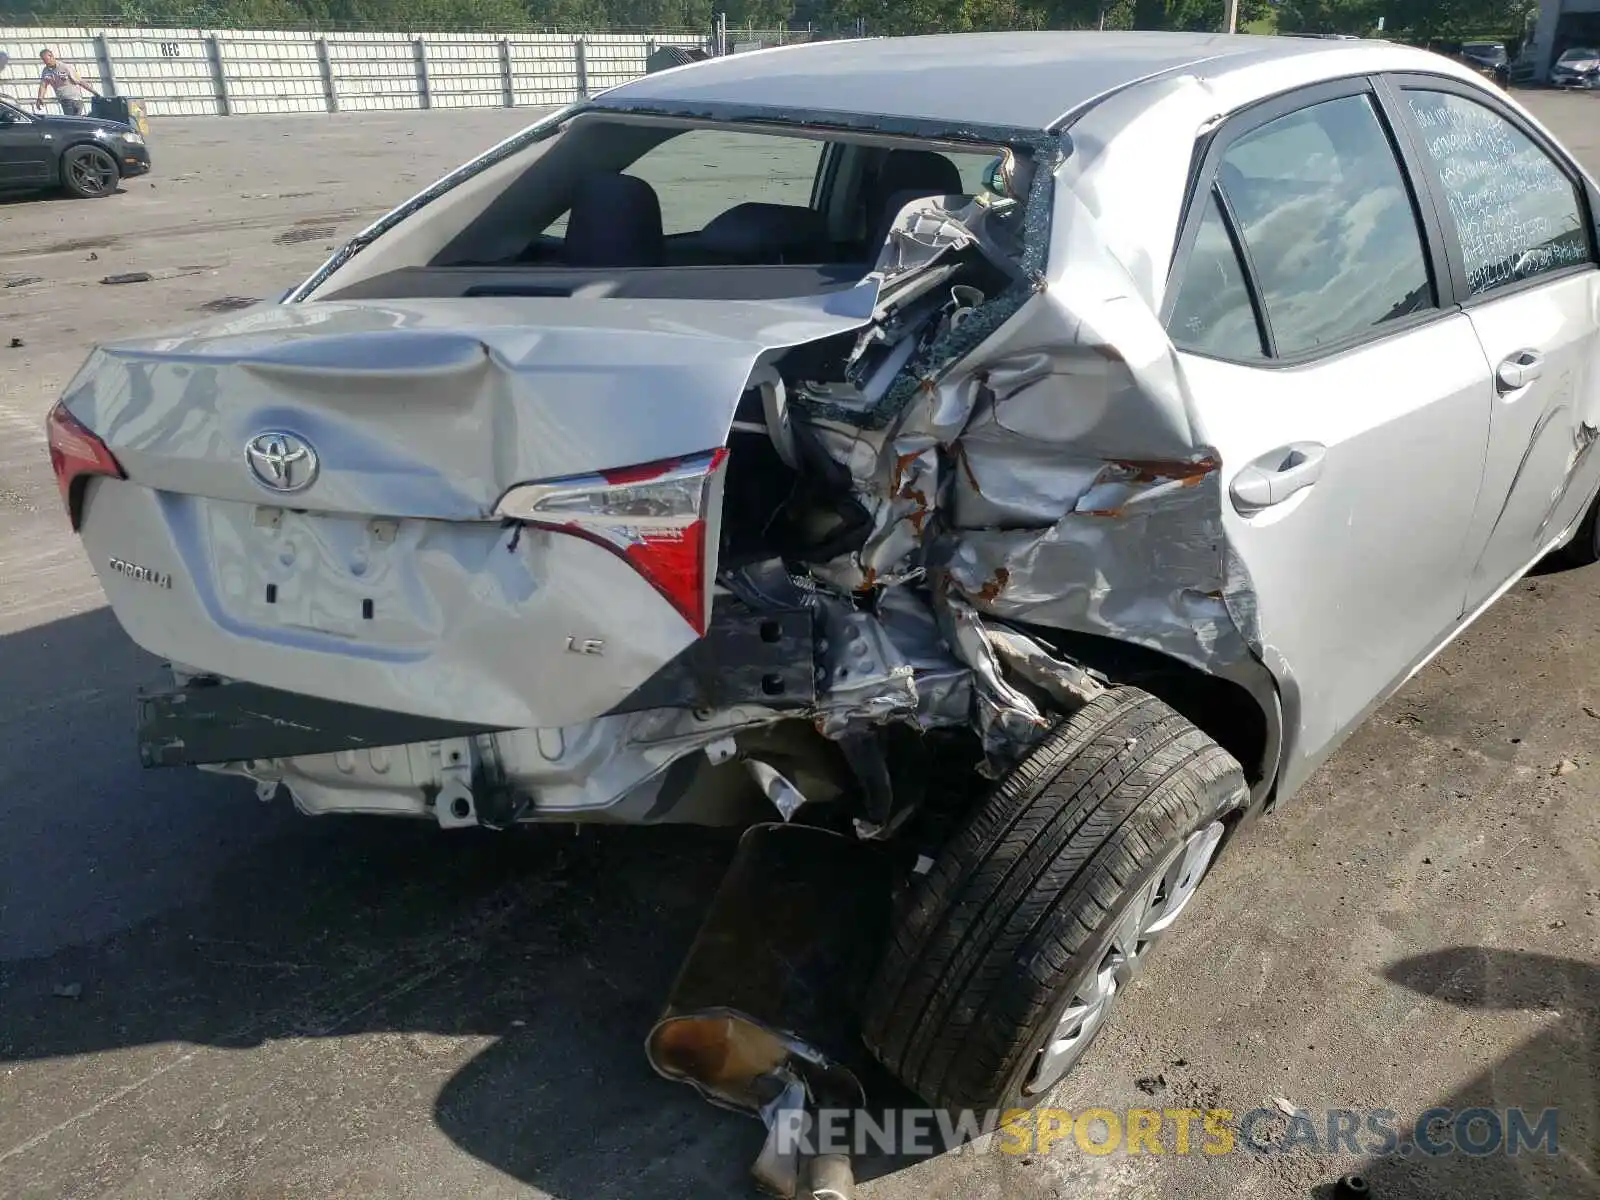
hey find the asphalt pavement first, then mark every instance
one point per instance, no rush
(205, 996)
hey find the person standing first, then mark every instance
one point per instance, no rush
(65, 82)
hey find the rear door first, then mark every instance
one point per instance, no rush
(1517, 232)
(1348, 405)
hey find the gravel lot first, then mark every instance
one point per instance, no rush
(260, 1005)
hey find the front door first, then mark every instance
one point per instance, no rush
(1520, 239)
(24, 152)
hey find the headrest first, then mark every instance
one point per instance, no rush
(615, 222)
(904, 176)
(925, 172)
(768, 233)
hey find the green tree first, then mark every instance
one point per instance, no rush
(1193, 15)
(1329, 16)
(1446, 19)
(902, 16)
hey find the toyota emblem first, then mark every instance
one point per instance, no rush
(281, 461)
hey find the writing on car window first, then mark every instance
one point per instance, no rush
(1516, 213)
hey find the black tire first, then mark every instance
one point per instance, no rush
(88, 172)
(1023, 899)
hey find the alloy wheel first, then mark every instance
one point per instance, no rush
(1148, 913)
(94, 173)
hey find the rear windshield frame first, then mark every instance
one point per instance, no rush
(861, 128)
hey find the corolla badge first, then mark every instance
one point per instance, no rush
(281, 461)
(160, 579)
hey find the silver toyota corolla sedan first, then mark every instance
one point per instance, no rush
(1114, 418)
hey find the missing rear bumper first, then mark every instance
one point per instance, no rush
(212, 721)
(747, 657)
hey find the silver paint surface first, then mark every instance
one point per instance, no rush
(1052, 461)
(424, 413)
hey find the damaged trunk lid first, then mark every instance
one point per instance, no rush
(502, 511)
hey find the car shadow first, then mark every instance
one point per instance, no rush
(145, 907)
(157, 907)
(8, 199)
(1546, 1071)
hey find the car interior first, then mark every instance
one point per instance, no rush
(633, 210)
(616, 209)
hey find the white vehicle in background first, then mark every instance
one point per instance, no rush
(1578, 67)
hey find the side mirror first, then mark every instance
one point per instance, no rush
(1008, 177)
(994, 177)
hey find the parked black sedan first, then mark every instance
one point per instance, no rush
(86, 156)
(1486, 58)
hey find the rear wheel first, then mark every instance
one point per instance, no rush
(1010, 953)
(89, 172)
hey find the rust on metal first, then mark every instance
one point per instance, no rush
(1186, 474)
(902, 462)
(966, 468)
(995, 584)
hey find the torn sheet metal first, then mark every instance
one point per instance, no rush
(892, 447)
(1035, 458)
(1022, 442)
(778, 1169)
(863, 679)
(942, 679)
(1123, 537)
(785, 797)
(1006, 718)
(1056, 476)
(1068, 686)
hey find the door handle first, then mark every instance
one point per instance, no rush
(1518, 371)
(1277, 475)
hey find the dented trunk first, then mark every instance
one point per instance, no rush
(406, 565)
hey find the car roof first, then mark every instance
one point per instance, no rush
(1011, 80)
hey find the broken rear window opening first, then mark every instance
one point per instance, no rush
(628, 205)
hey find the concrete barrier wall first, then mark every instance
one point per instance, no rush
(202, 72)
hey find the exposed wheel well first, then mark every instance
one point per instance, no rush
(1225, 710)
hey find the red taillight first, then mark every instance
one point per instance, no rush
(75, 454)
(653, 515)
